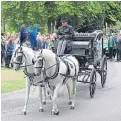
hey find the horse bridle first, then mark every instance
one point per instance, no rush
(42, 61)
(20, 58)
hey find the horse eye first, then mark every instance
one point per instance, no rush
(40, 61)
(19, 58)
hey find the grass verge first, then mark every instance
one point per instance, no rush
(11, 80)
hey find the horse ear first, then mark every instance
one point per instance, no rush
(41, 51)
(20, 48)
(18, 42)
(33, 61)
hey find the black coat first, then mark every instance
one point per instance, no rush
(118, 44)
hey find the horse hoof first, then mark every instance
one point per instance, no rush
(70, 103)
(41, 110)
(72, 107)
(24, 113)
(44, 103)
(55, 113)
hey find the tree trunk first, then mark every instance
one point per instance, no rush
(49, 25)
(3, 25)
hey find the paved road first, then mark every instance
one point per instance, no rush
(105, 106)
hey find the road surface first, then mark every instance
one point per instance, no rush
(105, 106)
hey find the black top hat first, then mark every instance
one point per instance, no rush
(64, 20)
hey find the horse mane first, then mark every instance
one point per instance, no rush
(28, 50)
(48, 53)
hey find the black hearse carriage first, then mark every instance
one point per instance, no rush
(88, 49)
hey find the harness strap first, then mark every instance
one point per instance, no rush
(27, 65)
(74, 65)
(31, 77)
(56, 71)
(54, 75)
(51, 87)
(67, 72)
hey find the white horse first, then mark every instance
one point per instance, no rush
(24, 55)
(57, 72)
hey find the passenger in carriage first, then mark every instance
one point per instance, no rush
(65, 34)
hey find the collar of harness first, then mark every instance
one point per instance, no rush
(56, 70)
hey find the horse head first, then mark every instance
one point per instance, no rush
(17, 57)
(38, 63)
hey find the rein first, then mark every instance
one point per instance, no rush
(31, 76)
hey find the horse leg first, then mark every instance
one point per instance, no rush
(41, 103)
(73, 93)
(55, 110)
(26, 95)
(69, 93)
(44, 95)
(49, 92)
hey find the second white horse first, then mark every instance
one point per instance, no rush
(57, 71)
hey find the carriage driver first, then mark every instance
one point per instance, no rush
(65, 34)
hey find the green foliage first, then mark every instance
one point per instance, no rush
(31, 12)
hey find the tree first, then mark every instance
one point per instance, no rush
(46, 12)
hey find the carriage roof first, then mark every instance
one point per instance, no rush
(88, 36)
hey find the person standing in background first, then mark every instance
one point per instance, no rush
(53, 38)
(110, 45)
(49, 42)
(118, 46)
(38, 41)
(9, 50)
(105, 45)
(2, 49)
(114, 39)
(6, 44)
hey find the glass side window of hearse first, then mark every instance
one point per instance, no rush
(99, 47)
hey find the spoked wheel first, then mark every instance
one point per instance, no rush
(103, 71)
(92, 83)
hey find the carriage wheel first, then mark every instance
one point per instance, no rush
(103, 71)
(92, 83)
